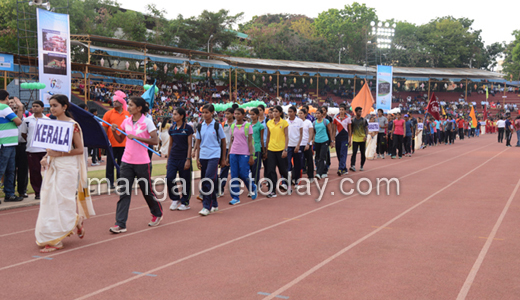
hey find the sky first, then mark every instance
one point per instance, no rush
(497, 22)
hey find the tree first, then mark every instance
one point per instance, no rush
(132, 24)
(346, 28)
(512, 58)
(159, 22)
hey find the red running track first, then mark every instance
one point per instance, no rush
(450, 234)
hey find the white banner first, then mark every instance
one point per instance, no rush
(53, 54)
(373, 127)
(53, 134)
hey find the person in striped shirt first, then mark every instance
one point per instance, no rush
(9, 122)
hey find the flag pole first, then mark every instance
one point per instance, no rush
(110, 125)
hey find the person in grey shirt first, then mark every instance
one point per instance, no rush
(381, 136)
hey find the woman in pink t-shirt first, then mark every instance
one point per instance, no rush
(397, 136)
(136, 163)
(241, 156)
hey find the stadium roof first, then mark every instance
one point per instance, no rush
(271, 66)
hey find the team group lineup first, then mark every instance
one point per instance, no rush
(287, 145)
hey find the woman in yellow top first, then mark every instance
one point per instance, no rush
(277, 141)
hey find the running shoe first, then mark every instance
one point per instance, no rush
(393, 157)
(344, 172)
(214, 209)
(272, 195)
(204, 212)
(183, 207)
(155, 221)
(220, 195)
(353, 169)
(254, 195)
(318, 176)
(175, 205)
(116, 229)
(361, 169)
(234, 202)
(324, 176)
(283, 187)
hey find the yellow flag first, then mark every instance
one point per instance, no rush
(443, 111)
(473, 118)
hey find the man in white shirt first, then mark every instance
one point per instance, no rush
(306, 144)
(34, 155)
(295, 132)
(501, 124)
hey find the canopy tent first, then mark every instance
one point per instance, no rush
(138, 55)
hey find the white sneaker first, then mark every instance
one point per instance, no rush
(324, 176)
(214, 209)
(204, 212)
(220, 195)
(183, 207)
(95, 164)
(175, 205)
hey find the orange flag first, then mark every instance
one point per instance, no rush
(364, 100)
(473, 118)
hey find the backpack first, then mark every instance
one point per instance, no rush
(216, 127)
(326, 129)
(246, 131)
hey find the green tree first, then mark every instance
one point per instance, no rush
(132, 24)
(160, 22)
(346, 28)
(512, 58)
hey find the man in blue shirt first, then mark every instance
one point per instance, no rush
(407, 136)
(509, 131)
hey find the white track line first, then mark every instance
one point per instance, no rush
(359, 241)
(232, 207)
(112, 213)
(253, 233)
(474, 270)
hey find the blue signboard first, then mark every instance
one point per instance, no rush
(6, 62)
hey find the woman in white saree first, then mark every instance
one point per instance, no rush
(371, 145)
(164, 136)
(418, 135)
(65, 175)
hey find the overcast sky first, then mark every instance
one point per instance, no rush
(497, 20)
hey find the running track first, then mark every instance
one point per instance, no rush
(452, 233)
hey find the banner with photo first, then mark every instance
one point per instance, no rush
(384, 88)
(53, 54)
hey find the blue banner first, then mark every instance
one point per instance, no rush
(6, 62)
(384, 88)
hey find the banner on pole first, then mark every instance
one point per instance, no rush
(53, 54)
(384, 88)
(52, 134)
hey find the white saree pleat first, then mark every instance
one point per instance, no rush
(58, 217)
(418, 140)
(165, 142)
(371, 145)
